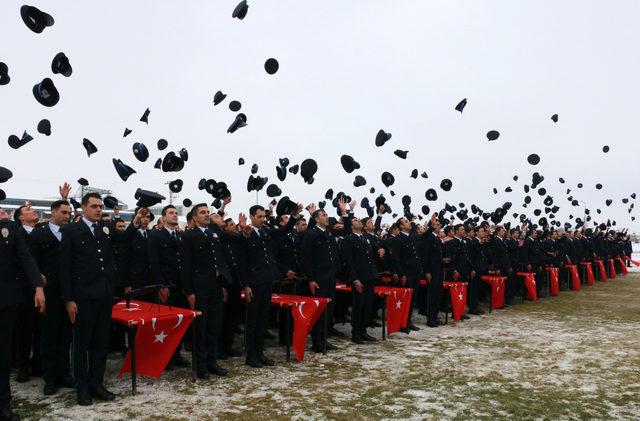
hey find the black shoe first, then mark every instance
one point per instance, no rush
(22, 376)
(6, 414)
(368, 338)
(202, 374)
(331, 347)
(405, 330)
(465, 317)
(179, 361)
(217, 370)
(66, 381)
(222, 356)
(36, 372)
(233, 353)
(433, 323)
(253, 363)
(269, 335)
(50, 388)
(374, 324)
(169, 366)
(357, 340)
(335, 332)
(316, 349)
(84, 398)
(238, 330)
(100, 392)
(188, 346)
(476, 312)
(413, 327)
(266, 361)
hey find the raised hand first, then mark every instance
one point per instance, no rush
(64, 190)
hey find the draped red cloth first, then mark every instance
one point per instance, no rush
(305, 311)
(160, 329)
(530, 285)
(398, 304)
(623, 267)
(603, 272)
(554, 282)
(612, 269)
(497, 289)
(458, 293)
(575, 278)
(635, 262)
(591, 279)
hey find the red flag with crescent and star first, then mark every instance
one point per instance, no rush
(603, 272)
(575, 278)
(497, 289)
(612, 269)
(530, 285)
(591, 279)
(623, 267)
(458, 293)
(398, 303)
(554, 282)
(160, 329)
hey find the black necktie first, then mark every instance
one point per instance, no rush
(93, 228)
(173, 235)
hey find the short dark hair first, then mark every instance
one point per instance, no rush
(18, 212)
(118, 220)
(448, 229)
(91, 195)
(365, 220)
(190, 215)
(56, 205)
(456, 227)
(195, 208)
(226, 221)
(317, 213)
(166, 208)
(254, 209)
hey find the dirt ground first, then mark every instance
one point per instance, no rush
(576, 356)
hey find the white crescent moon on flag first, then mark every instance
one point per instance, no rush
(153, 323)
(180, 317)
(300, 310)
(123, 303)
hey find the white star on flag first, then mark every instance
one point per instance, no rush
(398, 304)
(160, 337)
(460, 296)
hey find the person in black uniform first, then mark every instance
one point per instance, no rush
(165, 260)
(139, 268)
(407, 264)
(88, 274)
(14, 257)
(320, 262)
(205, 275)
(359, 257)
(232, 244)
(433, 261)
(56, 328)
(258, 274)
(28, 335)
(501, 260)
(480, 266)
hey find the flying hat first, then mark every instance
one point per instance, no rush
(240, 11)
(322, 204)
(493, 134)
(145, 116)
(554, 118)
(217, 203)
(285, 206)
(387, 179)
(508, 190)
(15, 142)
(271, 66)
(605, 149)
(406, 200)
(75, 203)
(308, 169)
(359, 181)
(147, 199)
(414, 173)
(446, 184)
(158, 164)
(60, 64)
(35, 19)
(424, 175)
(235, 106)
(172, 163)
(533, 159)
(124, 171)
(372, 190)
(273, 190)
(348, 163)
(44, 127)
(176, 186)
(254, 168)
(83, 182)
(542, 191)
(461, 105)
(187, 203)
(281, 172)
(240, 161)
(256, 183)
(162, 144)
(46, 93)
(329, 194)
(5, 174)
(284, 162)
(382, 137)
(294, 169)
(239, 122)
(4, 74)
(431, 195)
(140, 151)
(184, 154)
(425, 209)
(220, 190)
(127, 132)
(110, 202)
(218, 98)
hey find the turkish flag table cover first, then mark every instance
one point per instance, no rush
(623, 267)
(398, 303)
(305, 311)
(601, 269)
(458, 293)
(530, 285)
(554, 281)
(575, 278)
(591, 279)
(497, 289)
(612, 268)
(160, 329)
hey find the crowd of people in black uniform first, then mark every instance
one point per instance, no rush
(59, 277)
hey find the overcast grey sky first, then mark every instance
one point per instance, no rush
(347, 69)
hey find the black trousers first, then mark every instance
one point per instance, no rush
(473, 297)
(8, 315)
(231, 315)
(434, 296)
(209, 327)
(257, 320)
(28, 338)
(178, 299)
(91, 342)
(362, 307)
(56, 340)
(413, 281)
(327, 289)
